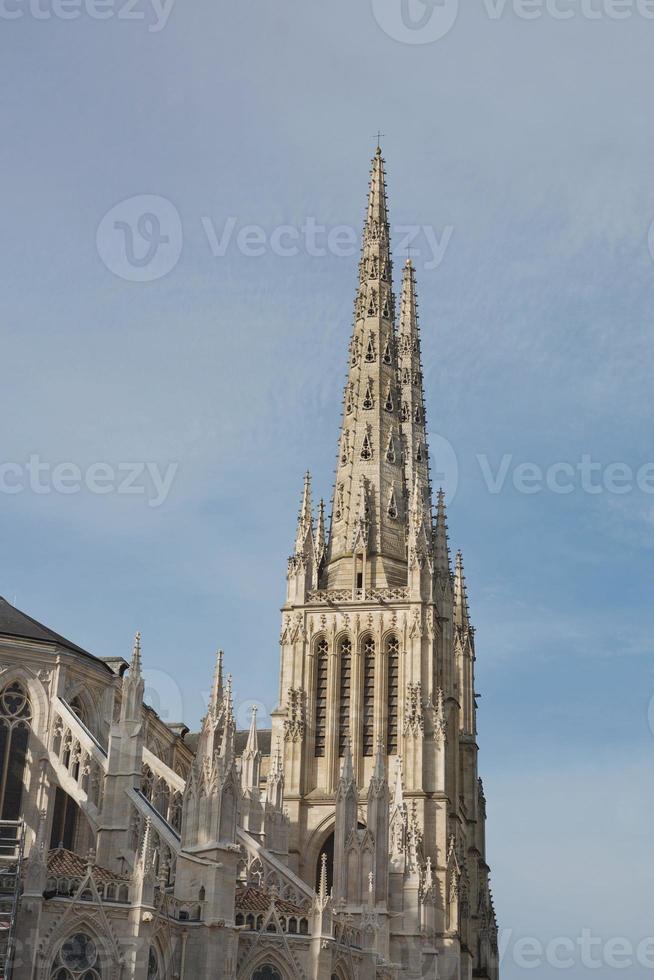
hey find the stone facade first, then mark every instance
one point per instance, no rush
(345, 844)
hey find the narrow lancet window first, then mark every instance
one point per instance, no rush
(393, 662)
(368, 695)
(345, 661)
(322, 649)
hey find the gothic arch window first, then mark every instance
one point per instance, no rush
(345, 660)
(77, 959)
(15, 723)
(322, 649)
(386, 356)
(370, 350)
(388, 404)
(366, 449)
(267, 972)
(368, 400)
(393, 668)
(154, 972)
(368, 695)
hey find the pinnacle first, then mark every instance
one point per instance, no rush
(461, 612)
(136, 654)
(252, 746)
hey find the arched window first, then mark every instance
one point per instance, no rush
(154, 972)
(345, 660)
(15, 719)
(322, 649)
(267, 972)
(77, 959)
(368, 695)
(393, 662)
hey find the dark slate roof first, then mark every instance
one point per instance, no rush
(18, 624)
(264, 736)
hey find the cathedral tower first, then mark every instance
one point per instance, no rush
(377, 661)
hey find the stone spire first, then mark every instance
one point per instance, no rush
(442, 564)
(461, 614)
(304, 532)
(370, 450)
(251, 759)
(321, 537)
(275, 781)
(133, 686)
(414, 428)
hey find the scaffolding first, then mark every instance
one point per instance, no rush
(12, 844)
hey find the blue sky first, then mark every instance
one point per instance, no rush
(528, 145)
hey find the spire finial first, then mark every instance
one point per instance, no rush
(347, 771)
(136, 654)
(378, 137)
(322, 886)
(379, 771)
(305, 517)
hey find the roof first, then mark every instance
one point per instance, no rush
(18, 624)
(251, 899)
(65, 864)
(264, 738)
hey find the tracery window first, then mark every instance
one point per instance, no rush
(322, 649)
(15, 723)
(366, 448)
(267, 972)
(368, 695)
(77, 959)
(345, 660)
(393, 666)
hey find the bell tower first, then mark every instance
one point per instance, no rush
(377, 657)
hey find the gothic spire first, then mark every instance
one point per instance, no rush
(442, 564)
(461, 614)
(275, 781)
(217, 686)
(414, 429)
(320, 533)
(370, 443)
(305, 518)
(251, 759)
(135, 665)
